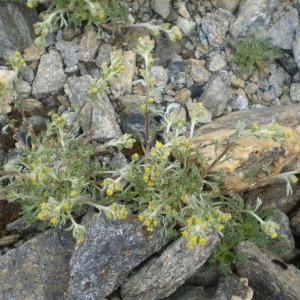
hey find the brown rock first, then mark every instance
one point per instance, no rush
(251, 153)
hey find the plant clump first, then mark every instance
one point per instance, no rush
(255, 50)
(57, 175)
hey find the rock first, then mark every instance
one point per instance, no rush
(50, 76)
(69, 52)
(295, 92)
(295, 223)
(131, 103)
(216, 94)
(215, 27)
(296, 48)
(206, 114)
(103, 54)
(109, 253)
(88, 46)
(252, 14)
(175, 265)
(161, 7)
(251, 153)
(217, 62)
(237, 82)
(124, 83)
(105, 126)
(239, 102)
(230, 5)
(16, 26)
(231, 287)
(37, 269)
(274, 195)
(7, 76)
(160, 76)
(182, 95)
(33, 53)
(268, 276)
(198, 71)
(283, 31)
(188, 27)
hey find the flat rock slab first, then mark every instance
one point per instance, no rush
(38, 269)
(112, 248)
(268, 276)
(162, 275)
(251, 153)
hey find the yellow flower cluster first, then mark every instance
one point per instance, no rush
(160, 152)
(58, 120)
(120, 211)
(111, 186)
(270, 228)
(16, 60)
(149, 221)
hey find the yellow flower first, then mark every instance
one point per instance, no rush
(185, 233)
(158, 145)
(198, 221)
(29, 5)
(189, 222)
(135, 156)
(141, 218)
(254, 127)
(143, 108)
(109, 191)
(54, 221)
(202, 240)
(220, 227)
(147, 169)
(73, 193)
(95, 90)
(66, 206)
(43, 206)
(274, 235)
(41, 216)
(193, 239)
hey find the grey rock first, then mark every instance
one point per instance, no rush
(68, 52)
(215, 27)
(105, 126)
(50, 76)
(231, 287)
(295, 92)
(198, 71)
(268, 276)
(206, 114)
(239, 102)
(252, 14)
(216, 95)
(16, 26)
(160, 76)
(23, 88)
(88, 46)
(296, 47)
(124, 83)
(217, 61)
(161, 7)
(230, 5)
(103, 54)
(295, 223)
(274, 195)
(110, 251)
(283, 31)
(188, 27)
(162, 275)
(131, 103)
(37, 269)
(284, 245)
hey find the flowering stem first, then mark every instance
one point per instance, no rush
(76, 117)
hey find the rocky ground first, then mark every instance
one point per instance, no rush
(198, 68)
